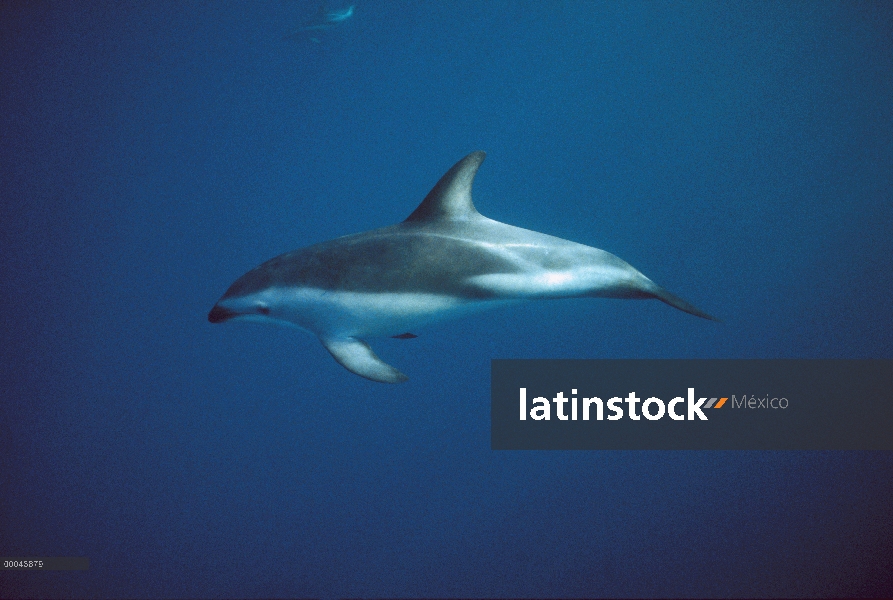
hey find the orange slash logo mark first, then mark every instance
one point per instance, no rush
(720, 403)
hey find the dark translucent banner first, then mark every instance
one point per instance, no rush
(692, 405)
(53, 563)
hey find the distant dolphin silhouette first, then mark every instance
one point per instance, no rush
(338, 16)
(328, 19)
(444, 260)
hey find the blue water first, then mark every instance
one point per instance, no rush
(739, 154)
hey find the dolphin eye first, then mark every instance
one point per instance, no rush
(264, 310)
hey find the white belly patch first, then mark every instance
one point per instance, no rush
(365, 314)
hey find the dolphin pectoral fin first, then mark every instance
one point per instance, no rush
(357, 357)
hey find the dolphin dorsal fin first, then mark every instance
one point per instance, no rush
(451, 197)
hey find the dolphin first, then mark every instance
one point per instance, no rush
(337, 16)
(328, 19)
(444, 260)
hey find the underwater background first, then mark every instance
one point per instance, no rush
(739, 154)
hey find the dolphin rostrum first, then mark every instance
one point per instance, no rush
(444, 260)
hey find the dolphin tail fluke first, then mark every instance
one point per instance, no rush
(357, 357)
(677, 302)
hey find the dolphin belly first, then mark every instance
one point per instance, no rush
(338, 313)
(342, 320)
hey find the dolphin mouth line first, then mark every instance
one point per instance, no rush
(219, 314)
